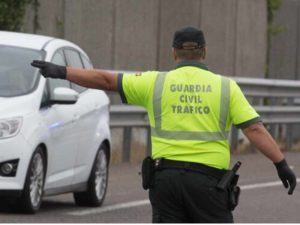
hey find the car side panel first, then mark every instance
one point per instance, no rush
(94, 129)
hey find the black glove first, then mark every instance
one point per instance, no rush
(286, 175)
(50, 70)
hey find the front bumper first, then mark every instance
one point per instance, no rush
(10, 149)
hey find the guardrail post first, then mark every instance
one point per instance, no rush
(126, 144)
(272, 127)
(149, 141)
(289, 136)
(289, 128)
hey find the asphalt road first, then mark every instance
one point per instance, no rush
(263, 198)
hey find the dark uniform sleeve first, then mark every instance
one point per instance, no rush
(120, 88)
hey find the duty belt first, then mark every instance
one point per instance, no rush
(162, 163)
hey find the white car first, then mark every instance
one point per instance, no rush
(54, 135)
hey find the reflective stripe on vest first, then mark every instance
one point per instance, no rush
(190, 135)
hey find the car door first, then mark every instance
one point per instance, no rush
(87, 121)
(61, 122)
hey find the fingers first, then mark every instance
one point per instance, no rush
(292, 186)
(291, 183)
(285, 183)
(38, 63)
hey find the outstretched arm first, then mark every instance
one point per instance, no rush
(93, 78)
(90, 78)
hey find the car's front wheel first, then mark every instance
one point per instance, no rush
(31, 198)
(97, 183)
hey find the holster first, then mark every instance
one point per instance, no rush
(234, 193)
(148, 173)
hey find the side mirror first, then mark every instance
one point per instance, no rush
(62, 95)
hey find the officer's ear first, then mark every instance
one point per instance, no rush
(204, 50)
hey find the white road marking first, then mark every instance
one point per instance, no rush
(132, 204)
(263, 185)
(125, 205)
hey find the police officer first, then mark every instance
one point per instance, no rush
(190, 111)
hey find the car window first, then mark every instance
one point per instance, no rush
(87, 63)
(74, 60)
(58, 58)
(17, 77)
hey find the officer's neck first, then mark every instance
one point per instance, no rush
(189, 60)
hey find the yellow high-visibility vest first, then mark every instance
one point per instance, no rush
(190, 111)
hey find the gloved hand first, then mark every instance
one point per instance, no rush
(51, 70)
(286, 175)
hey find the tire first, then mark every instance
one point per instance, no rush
(97, 183)
(31, 198)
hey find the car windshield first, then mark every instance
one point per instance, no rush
(17, 77)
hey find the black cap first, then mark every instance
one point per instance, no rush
(190, 36)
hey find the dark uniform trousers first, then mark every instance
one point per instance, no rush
(184, 196)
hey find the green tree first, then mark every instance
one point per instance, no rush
(272, 29)
(12, 13)
(273, 6)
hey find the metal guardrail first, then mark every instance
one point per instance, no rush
(269, 87)
(277, 102)
(128, 116)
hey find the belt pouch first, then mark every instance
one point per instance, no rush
(234, 193)
(147, 172)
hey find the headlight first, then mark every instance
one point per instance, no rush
(10, 127)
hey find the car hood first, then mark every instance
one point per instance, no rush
(17, 106)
